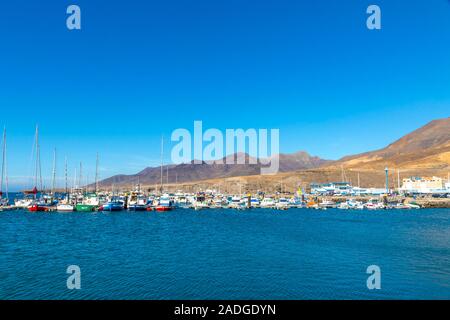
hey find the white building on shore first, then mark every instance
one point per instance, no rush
(423, 185)
(344, 189)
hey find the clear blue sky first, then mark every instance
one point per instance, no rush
(139, 69)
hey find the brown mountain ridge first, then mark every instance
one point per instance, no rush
(427, 147)
(425, 151)
(189, 172)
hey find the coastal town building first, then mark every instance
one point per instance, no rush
(343, 189)
(422, 185)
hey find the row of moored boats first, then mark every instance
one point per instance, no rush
(139, 201)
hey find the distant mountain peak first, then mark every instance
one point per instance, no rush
(226, 167)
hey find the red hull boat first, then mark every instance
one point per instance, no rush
(37, 208)
(163, 208)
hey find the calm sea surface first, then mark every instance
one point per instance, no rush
(226, 254)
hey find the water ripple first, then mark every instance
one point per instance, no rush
(219, 254)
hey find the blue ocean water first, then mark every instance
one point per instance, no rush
(226, 254)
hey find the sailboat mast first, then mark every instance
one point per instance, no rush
(162, 152)
(75, 179)
(65, 173)
(54, 172)
(38, 173)
(36, 166)
(6, 168)
(80, 178)
(96, 174)
(3, 173)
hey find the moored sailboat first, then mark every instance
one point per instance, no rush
(65, 205)
(36, 205)
(4, 201)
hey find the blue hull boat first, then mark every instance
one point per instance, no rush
(113, 206)
(137, 207)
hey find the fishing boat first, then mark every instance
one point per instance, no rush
(38, 208)
(45, 203)
(152, 202)
(242, 206)
(136, 200)
(282, 204)
(81, 207)
(137, 203)
(343, 206)
(312, 204)
(165, 203)
(65, 207)
(137, 207)
(113, 205)
(254, 202)
(219, 202)
(181, 201)
(398, 206)
(199, 202)
(89, 203)
(374, 204)
(295, 202)
(235, 202)
(40, 205)
(327, 204)
(401, 205)
(200, 205)
(268, 202)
